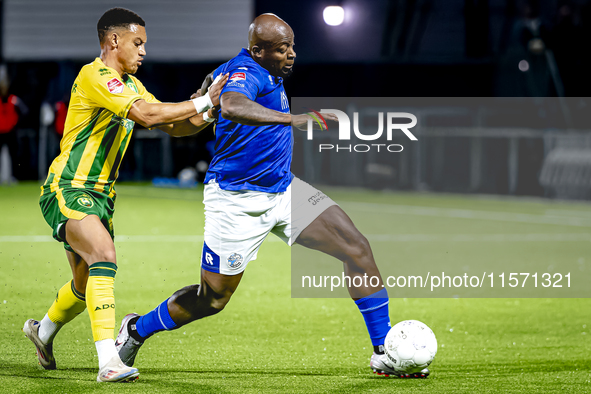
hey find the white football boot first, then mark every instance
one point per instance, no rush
(116, 371)
(44, 351)
(126, 345)
(379, 365)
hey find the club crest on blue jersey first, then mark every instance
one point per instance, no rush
(235, 260)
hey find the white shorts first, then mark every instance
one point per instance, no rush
(237, 222)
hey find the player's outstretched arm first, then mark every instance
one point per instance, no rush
(206, 84)
(191, 126)
(165, 114)
(156, 114)
(238, 108)
(200, 121)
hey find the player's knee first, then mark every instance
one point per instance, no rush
(110, 256)
(105, 255)
(358, 247)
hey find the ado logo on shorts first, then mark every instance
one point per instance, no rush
(85, 201)
(235, 260)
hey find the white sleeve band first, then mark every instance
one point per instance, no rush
(207, 118)
(202, 103)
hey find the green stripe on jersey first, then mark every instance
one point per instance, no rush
(47, 185)
(117, 162)
(78, 148)
(49, 179)
(103, 151)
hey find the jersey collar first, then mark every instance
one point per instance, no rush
(125, 76)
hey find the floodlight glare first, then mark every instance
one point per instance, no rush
(334, 15)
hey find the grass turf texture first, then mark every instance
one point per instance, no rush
(265, 341)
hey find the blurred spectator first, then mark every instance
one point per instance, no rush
(11, 108)
(566, 40)
(524, 69)
(60, 112)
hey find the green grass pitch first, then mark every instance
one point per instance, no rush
(265, 341)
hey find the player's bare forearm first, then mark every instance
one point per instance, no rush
(191, 126)
(240, 109)
(181, 129)
(199, 119)
(160, 114)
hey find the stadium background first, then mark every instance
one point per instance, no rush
(266, 341)
(423, 48)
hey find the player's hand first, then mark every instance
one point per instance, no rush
(206, 83)
(301, 121)
(196, 94)
(216, 88)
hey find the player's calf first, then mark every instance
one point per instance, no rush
(187, 305)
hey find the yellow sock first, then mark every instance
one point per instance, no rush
(100, 299)
(68, 304)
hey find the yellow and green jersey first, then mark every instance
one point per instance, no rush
(97, 131)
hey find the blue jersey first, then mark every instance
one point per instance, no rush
(252, 157)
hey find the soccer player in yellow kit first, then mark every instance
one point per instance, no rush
(78, 197)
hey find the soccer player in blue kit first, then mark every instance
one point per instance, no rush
(250, 192)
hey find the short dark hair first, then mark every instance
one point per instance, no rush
(117, 17)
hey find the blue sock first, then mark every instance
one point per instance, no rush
(155, 321)
(375, 312)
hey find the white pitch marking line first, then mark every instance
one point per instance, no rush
(469, 214)
(538, 237)
(583, 237)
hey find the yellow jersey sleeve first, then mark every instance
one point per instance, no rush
(149, 97)
(103, 88)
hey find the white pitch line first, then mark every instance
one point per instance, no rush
(583, 237)
(568, 213)
(468, 214)
(26, 238)
(538, 237)
(118, 238)
(158, 238)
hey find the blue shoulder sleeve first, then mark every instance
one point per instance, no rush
(245, 80)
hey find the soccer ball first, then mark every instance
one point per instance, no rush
(410, 346)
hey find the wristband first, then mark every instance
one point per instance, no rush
(207, 118)
(202, 103)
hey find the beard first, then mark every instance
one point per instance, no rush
(287, 74)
